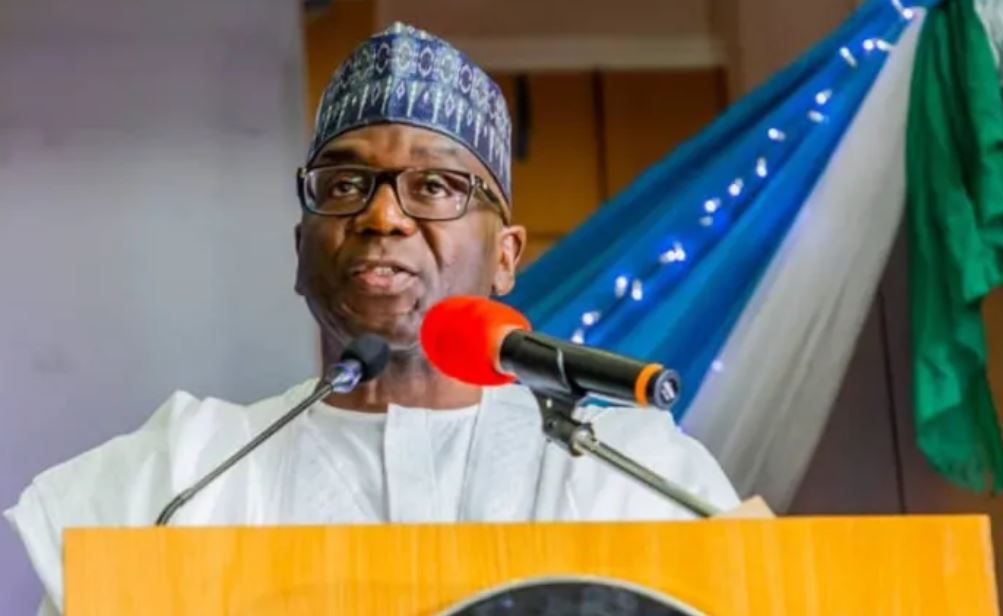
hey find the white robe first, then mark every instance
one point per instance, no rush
(322, 469)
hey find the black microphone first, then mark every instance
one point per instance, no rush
(483, 342)
(364, 359)
(545, 363)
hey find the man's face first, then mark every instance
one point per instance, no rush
(380, 270)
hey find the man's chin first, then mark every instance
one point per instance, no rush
(345, 322)
(400, 332)
(400, 338)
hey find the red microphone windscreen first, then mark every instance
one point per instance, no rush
(462, 336)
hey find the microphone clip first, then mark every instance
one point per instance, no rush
(578, 438)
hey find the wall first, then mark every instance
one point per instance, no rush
(501, 18)
(761, 36)
(329, 35)
(592, 133)
(992, 316)
(147, 151)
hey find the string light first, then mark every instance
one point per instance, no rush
(717, 365)
(637, 290)
(635, 286)
(904, 12)
(621, 286)
(673, 255)
(848, 56)
(761, 167)
(875, 43)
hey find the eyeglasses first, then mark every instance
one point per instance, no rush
(423, 194)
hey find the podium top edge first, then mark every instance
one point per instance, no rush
(821, 520)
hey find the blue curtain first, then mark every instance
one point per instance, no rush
(664, 269)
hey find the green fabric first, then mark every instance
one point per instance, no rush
(954, 167)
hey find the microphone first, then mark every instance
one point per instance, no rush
(363, 360)
(484, 342)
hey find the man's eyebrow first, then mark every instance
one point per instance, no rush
(441, 151)
(337, 156)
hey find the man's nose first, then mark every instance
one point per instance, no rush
(384, 215)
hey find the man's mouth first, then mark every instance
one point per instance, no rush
(380, 270)
(381, 277)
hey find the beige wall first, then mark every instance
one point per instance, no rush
(761, 36)
(751, 39)
(550, 17)
(329, 36)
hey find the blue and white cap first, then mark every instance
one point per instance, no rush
(404, 75)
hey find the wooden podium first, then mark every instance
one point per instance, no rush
(838, 565)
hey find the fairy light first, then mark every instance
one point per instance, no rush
(848, 56)
(621, 285)
(637, 290)
(673, 255)
(761, 167)
(904, 12)
(717, 365)
(625, 285)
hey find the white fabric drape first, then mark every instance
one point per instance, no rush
(761, 414)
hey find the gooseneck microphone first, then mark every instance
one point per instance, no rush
(364, 359)
(483, 342)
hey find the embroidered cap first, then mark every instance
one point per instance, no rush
(404, 75)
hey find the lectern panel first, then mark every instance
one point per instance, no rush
(869, 565)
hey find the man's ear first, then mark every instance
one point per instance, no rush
(298, 230)
(511, 243)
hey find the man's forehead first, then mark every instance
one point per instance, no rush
(401, 145)
(395, 139)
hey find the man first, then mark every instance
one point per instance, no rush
(406, 200)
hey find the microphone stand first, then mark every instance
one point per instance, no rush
(577, 438)
(342, 379)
